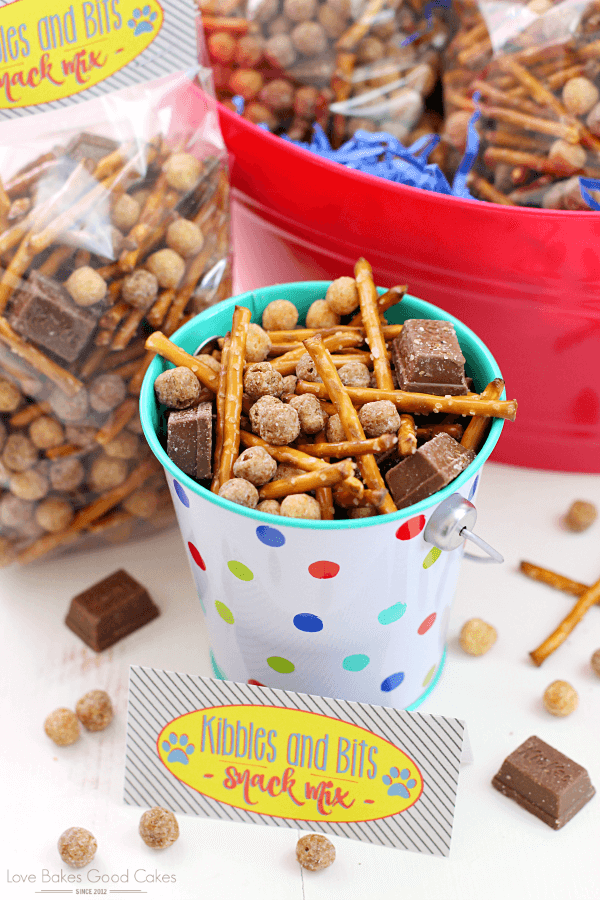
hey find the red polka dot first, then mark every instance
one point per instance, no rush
(411, 528)
(323, 569)
(196, 556)
(427, 623)
(257, 683)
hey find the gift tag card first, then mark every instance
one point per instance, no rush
(252, 754)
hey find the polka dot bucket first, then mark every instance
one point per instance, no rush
(356, 609)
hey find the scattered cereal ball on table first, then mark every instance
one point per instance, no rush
(258, 344)
(66, 474)
(279, 315)
(334, 430)
(126, 212)
(255, 465)
(279, 50)
(309, 38)
(14, 512)
(168, 267)
(269, 506)
(140, 289)
(278, 95)
(54, 514)
(158, 828)
(10, 396)
(256, 410)
(46, 432)
(354, 374)
(315, 852)
(580, 95)
(86, 286)
(107, 473)
(221, 47)
(379, 417)
(185, 238)
(240, 491)
(342, 295)
(69, 409)
(300, 506)
(560, 698)
(477, 637)
(311, 415)
(182, 171)
(19, 453)
(279, 425)
(7, 552)
(141, 503)
(321, 315)
(77, 847)
(177, 388)
(30, 485)
(595, 662)
(62, 727)
(580, 516)
(261, 379)
(106, 392)
(94, 710)
(306, 369)
(124, 446)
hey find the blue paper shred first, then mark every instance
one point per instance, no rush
(585, 186)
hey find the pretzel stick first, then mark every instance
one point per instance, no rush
(64, 450)
(300, 334)
(477, 427)
(534, 86)
(309, 481)
(407, 436)
(168, 350)
(503, 138)
(367, 293)
(128, 329)
(51, 265)
(112, 520)
(23, 181)
(348, 417)
(127, 370)
(236, 25)
(89, 514)
(120, 416)
(188, 286)
(29, 414)
(471, 56)
(341, 84)
(324, 495)
(503, 98)
(220, 409)
(358, 30)
(65, 380)
(286, 364)
(113, 316)
(235, 389)
(421, 403)
(566, 131)
(347, 500)
(384, 302)
(135, 385)
(157, 312)
(529, 160)
(553, 579)
(112, 161)
(589, 597)
(425, 433)
(350, 448)
(132, 352)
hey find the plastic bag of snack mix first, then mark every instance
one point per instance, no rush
(536, 67)
(345, 64)
(114, 221)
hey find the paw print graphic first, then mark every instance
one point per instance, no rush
(179, 754)
(399, 788)
(142, 20)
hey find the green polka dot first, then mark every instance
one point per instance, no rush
(240, 570)
(429, 676)
(391, 614)
(224, 612)
(356, 663)
(431, 557)
(279, 664)
(217, 670)
(202, 604)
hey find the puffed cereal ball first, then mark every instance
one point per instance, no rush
(248, 51)
(354, 374)
(260, 379)
(379, 417)
(456, 127)
(309, 38)
(140, 289)
(177, 388)
(279, 315)
(477, 637)
(126, 212)
(182, 171)
(289, 384)
(66, 474)
(315, 852)
(255, 465)
(321, 315)
(69, 409)
(107, 473)
(54, 514)
(333, 24)
(260, 115)
(19, 453)
(7, 552)
(305, 101)
(278, 95)
(209, 361)
(168, 267)
(256, 410)
(560, 698)
(46, 432)
(221, 47)
(14, 512)
(30, 485)
(124, 446)
(279, 50)
(300, 506)
(185, 238)
(77, 847)
(570, 157)
(287, 471)
(299, 10)
(158, 828)
(141, 503)
(62, 727)
(85, 286)
(94, 710)
(362, 512)
(593, 120)
(106, 392)
(334, 431)
(246, 82)
(10, 396)
(580, 95)
(342, 295)
(306, 370)
(311, 415)
(266, 10)
(279, 425)
(238, 490)
(258, 344)
(595, 662)
(267, 506)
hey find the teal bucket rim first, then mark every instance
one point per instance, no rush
(258, 298)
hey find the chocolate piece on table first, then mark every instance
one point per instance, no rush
(89, 146)
(189, 440)
(428, 359)
(545, 782)
(43, 312)
(110, 610)
(434, 465)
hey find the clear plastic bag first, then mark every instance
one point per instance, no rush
(114, 222)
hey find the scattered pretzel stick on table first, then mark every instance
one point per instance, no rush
(589, 597)
(553, 579)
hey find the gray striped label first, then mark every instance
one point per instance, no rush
(434, 743)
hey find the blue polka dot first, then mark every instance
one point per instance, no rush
(181, 493)
(473, 488)
(270, 536)
(392, 681)
(308, 622)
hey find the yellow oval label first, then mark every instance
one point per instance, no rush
(289, 763)
(49, 51)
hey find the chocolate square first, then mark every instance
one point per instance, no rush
(43, 312)
(428, 359)
(90, 146)
(110, 610)
(189, 440)
(545, 782)
(430, 468)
